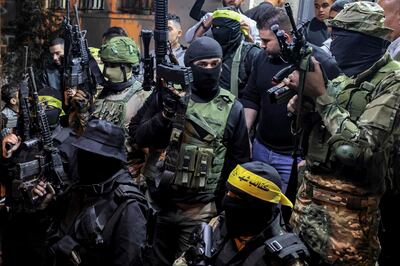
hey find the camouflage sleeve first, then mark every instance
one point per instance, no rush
(372, 132)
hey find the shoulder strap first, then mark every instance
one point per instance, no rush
(122, 196)
(132, 90)
(287, 247)
(235, 70)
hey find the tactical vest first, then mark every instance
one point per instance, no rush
(89, 234)
(202, 153)
(353, 94)
(274, 246)
(238, 76)
(238, 70)
(114, 111)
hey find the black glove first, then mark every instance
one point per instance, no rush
(170, 104)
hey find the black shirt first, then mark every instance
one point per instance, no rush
(149, 129)
(316, 32)
(273, 128)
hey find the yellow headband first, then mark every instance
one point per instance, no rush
(52, 102)
(223, 13)
(257, 186)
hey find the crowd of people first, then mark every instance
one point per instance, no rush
(221, 170)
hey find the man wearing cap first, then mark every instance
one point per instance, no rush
(214, 141)
(351, 150)
(103, 221)
(249, 231)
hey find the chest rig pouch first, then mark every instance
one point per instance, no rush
(114, 111)
(202, 152)
(354, 98)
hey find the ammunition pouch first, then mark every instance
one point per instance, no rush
(194, 167)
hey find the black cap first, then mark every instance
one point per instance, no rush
(104, 138)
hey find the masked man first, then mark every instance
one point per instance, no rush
(28, 198)
(102, 219)
(351, 149)
(214, 140)
(249, 231)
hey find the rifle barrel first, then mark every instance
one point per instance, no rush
(26, 58)
(289, 12)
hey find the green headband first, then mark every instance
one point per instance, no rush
(223, 13)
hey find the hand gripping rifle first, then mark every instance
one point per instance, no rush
(298, 54)
(168, 77)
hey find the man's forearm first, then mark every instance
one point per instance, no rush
(250, 115)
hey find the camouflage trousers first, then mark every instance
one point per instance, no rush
(337, 220)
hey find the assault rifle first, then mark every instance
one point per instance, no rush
(200, 252)
(47, 166)
(168, 78)
(25, 119)
(80, 68)
(23, 123)
(298, 54)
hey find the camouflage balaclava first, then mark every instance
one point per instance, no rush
(358, 28)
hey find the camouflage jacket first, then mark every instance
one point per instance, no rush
(360, 124)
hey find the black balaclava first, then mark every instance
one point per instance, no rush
(246, 219)
(205, 81)
(227, 33)
(247, 215)
(94, 168)
(355, 52)
(52, 112)
(53, 116)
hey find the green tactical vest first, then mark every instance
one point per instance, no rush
(202, 152)
(238, 70)
(114, 111)
(353, 94)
